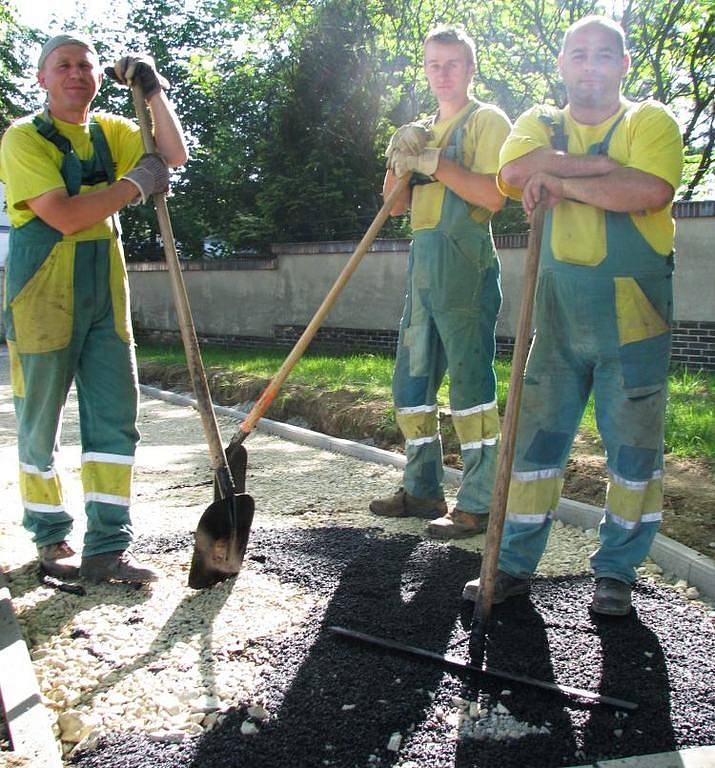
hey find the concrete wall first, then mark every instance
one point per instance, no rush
(253, 301)
(249, 302)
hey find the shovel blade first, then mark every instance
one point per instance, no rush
(220, 541)
(237, 460)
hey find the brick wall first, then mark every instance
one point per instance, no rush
(694, 345)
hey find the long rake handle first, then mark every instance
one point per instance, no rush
(261, 405)
(497, 511)
(183, 311)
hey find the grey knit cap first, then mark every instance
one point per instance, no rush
(66, 38)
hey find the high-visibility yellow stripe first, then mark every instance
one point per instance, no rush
(535, 497)
(477, 427)
(17, 377)
(417, 425)
(631, 504)
(107, 478)
(40, 487)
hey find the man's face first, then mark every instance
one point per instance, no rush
(448, 71)
(71, 76)
(592, 67)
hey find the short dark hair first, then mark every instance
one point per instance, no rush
(453, 35)
(601, 21)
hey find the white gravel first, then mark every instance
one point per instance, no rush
(170, 661)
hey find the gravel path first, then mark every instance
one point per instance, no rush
(246, 673)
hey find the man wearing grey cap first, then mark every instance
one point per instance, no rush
(67, 173)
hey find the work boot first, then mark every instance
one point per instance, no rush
(403, 504)
(116, 566)
(457, 525)
(611, 597)
(505, 586)
(50, 557)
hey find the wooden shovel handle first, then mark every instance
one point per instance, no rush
(261, 405)
(183, 309)
(497, 511)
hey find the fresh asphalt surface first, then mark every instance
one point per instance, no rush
(333, 703)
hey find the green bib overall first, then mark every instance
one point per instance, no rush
(67, 319)
(453, 297)
(603, 328)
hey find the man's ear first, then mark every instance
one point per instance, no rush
(41, 79)
(626, 63)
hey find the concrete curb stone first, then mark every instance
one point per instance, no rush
(685, 563)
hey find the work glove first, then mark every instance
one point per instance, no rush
(150, 176)
(140, 68)
(425, 162)
(411, 139)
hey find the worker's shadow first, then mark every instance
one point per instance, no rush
(634, 668)
(55, 611)
(517, 642)
(401, 588)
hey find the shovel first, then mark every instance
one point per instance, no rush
(262, 404)
(222, 533)
(497, 511)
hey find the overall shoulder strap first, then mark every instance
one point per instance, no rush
(559, 138)
(71, 169)
(101, 150)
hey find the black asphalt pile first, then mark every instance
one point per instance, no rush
(333, 703)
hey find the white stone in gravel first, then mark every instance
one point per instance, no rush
(192, 729)
(167, 737)
(248, 728)
(500, 709)
(75, 725)
(692, 593)
(206, 704)
(393, 745)
(169, 703)
(347, 707)
(618, 732)
(259, 712)
(89, 742)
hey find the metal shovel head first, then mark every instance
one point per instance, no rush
(220, 541)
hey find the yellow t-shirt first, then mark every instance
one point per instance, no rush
(647, 139)
(30, 164)
(484, 133)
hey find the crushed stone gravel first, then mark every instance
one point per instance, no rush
(245, 673)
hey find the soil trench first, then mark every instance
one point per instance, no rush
(689, 483)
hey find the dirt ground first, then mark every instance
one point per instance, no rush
(689, 483)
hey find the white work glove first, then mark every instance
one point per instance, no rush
(150, 176)
(425, 162)
(140, 68)
(411, 139)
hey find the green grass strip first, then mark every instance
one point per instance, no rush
(689, 420)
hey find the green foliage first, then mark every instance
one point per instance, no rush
(15, 41)
(288, 106)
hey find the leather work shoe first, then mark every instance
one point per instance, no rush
(403, 504)
(116, 566)
(611, 597)
(58, 560)
(457, 525)
(505, 586)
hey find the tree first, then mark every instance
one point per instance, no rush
(15, 39)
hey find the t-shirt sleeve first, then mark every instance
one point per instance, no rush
(487, 132)
(529, 133)
(656, 143)
(29, 166)
(124, 139)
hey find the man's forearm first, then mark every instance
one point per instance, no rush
(625, 190)
(546, 160)
(475, 188)
(168, 135)
(70, 215)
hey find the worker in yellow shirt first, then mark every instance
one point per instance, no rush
(608, 168)
(67, 172)
(453, 291)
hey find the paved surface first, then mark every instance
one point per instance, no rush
(172, 489)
